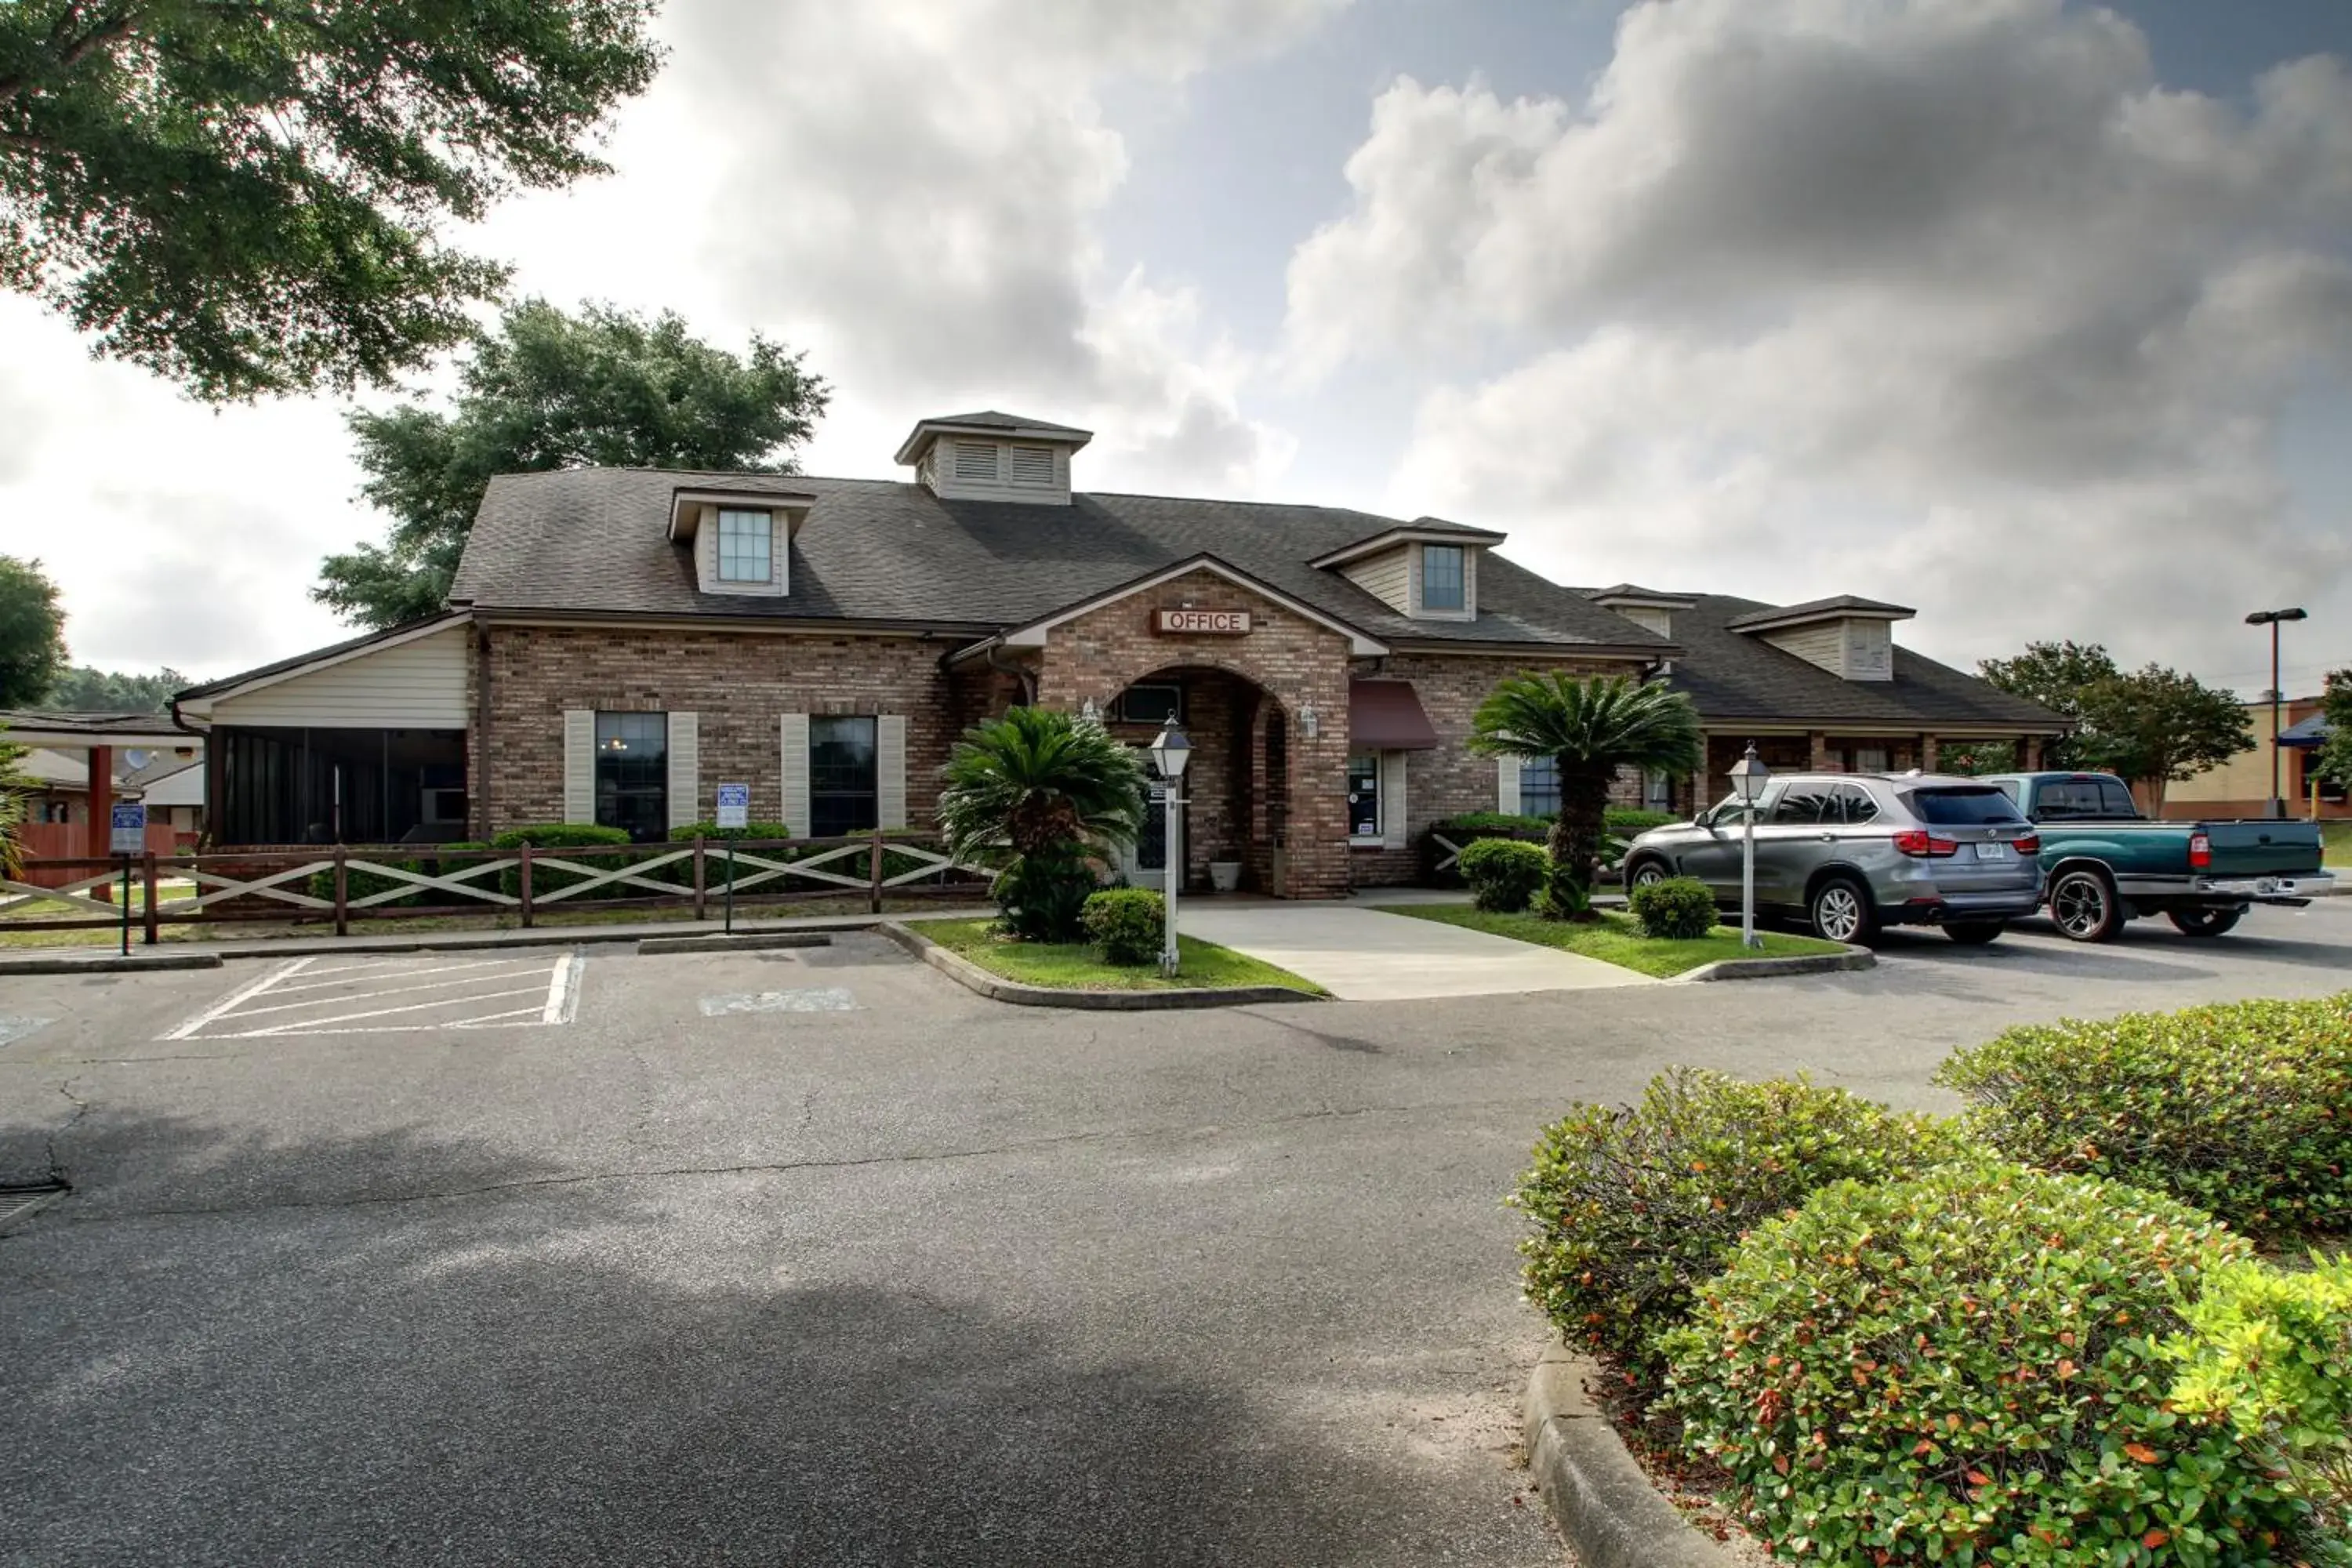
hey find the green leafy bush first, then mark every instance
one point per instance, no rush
(1965, 1368)
(561, 835)
(1503, 873)
(1634, 1206)
(1043, 895)
(1679, 909)
(1128, 924)
(1624, 822)
(2269, 1351)
(2244, 1109)
(687, 833)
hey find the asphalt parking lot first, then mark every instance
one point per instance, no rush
(814, 1258)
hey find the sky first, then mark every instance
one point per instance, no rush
(2034, 316)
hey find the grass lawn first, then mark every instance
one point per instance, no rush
(1614, 937)
(2338, 837)
(1077, 967)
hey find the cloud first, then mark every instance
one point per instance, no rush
(1956, 303)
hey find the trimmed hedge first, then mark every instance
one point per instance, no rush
(1634, 1206)
(359, 883)
(1621, 823)
(2243, 1108)
(2270, 1351)
(561, 835)
(1503, 873)
(1127, 923)
(1679, 909)
(1966, 1368)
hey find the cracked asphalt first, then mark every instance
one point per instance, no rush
(933, 1281)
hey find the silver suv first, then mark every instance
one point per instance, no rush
(1853, 852)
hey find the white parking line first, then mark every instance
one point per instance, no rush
(360, 998)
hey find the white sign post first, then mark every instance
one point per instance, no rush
(126, 837)
(734, 811)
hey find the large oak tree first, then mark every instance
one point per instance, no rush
(246, 195)
(554, 390)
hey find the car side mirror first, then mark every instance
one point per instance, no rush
(1704, 818)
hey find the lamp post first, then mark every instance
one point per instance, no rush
(1170, 752)
(1748, 776)
(2271, 618)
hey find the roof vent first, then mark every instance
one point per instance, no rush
(990, 455)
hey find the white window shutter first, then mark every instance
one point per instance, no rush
(797, 815)
(579, 765)
(1506, 785)
(1393, 806)
(891, 770)
(685, 769)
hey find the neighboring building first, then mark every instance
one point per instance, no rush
(620, 641)
(2241, 786)
(81, 762)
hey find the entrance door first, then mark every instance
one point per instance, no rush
(1144, 863)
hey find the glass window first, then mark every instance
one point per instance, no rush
(1148, 704)
(2115, 800)
(1539, 787)
(1871, 760)
(1806, 804)
(1976, 806)
(1441, 577)
(842, 793)
(1857, 803)
(1364, 795)
(1730, 811)
(633, 773)
(745, 542)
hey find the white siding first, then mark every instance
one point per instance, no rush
(579, 765)
(685, 768)
(1506, 785)
(938, 470)
(418, 685)
(795, 742)
(1393, 806)
(1823, 645)
(1659, 621)
(891, 770)
(1383, 576)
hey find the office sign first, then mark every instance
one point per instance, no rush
(1202, 622)
(734, 805)
(127, 832)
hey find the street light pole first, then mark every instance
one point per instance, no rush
(1170, 752)
(2271, 618)
(1748, 776)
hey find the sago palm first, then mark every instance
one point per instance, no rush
(1589, 726)
(1040, 781)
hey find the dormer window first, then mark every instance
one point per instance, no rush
(1442, 583)
(746, 547)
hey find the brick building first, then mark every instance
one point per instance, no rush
(619, 641)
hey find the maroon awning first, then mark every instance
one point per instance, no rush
(1386, 716)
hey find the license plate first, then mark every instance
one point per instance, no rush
(1992, 851)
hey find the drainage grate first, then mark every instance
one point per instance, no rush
(18, 1202)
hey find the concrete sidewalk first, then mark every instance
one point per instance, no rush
(1360, 955)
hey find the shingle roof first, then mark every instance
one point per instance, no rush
(62, 723)
(994, 419)
(1733, 676)
(593, 540)
(1830, 606)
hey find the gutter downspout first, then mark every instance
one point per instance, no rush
(994, 653)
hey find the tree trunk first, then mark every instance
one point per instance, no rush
(1575, 842)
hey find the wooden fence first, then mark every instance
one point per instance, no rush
(51, 847)
(352, 884)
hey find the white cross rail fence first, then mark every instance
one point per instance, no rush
(359, 883)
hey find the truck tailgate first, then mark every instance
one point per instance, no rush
(2261, 848)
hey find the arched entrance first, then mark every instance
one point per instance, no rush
(1236, 789)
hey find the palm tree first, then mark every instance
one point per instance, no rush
(1589, 726)
(1051, 788)
(16, 797)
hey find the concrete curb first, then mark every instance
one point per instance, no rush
(998, 989)
(740, 942)
(1773, 968)
(1604, 1505)
(110, 964)
(477, 941)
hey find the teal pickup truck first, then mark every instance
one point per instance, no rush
(2104, 863)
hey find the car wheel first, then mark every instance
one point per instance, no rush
(1976, 933)
(1840, 910)
(2204, 923)
(1648, 874)
(2083, 906)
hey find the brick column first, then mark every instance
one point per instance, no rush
(2029, 752)
(1821, 761)
(1930, 754)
